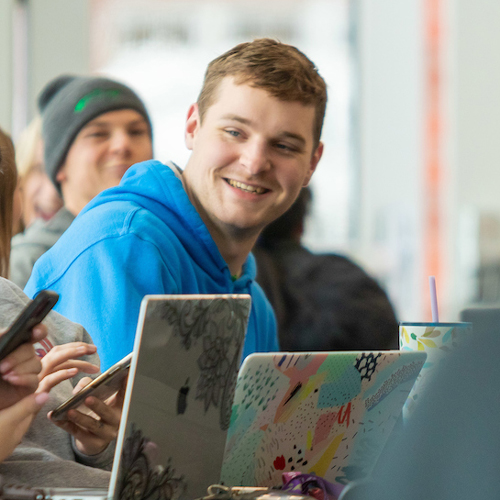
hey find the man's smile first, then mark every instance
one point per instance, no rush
(246, 187)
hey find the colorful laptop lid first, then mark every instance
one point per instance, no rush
(324, 413)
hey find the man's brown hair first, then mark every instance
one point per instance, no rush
(8, 181)
(280, 69)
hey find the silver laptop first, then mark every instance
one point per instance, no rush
(178, 401)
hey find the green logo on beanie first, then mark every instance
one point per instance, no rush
(105, 94)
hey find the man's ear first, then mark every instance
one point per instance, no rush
(314, 163)
(192, 125)
(61, 174)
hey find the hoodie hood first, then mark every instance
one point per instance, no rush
(158, 188)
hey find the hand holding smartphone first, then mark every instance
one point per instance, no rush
(103, 387)
(20, 330)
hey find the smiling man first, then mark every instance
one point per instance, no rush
(254, 136)
(93, 130)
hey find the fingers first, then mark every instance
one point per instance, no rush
(51, 380)
(28, 381)
(105, 426)
(98, 428)
(83, 382)
(108, 414)
(60, 355)
(15, 361)
(29, 368)
(82, 366)
(68, 426)
(29, 405)
(92, 435)
(21, 368)
(39, 332)
(120, 395)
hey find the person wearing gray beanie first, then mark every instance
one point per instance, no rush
(68, 103)
(93, 130)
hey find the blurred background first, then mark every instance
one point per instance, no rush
(409, 182)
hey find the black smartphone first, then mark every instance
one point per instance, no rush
(102, 387)
(19, 331)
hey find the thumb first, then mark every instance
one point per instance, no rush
(26, 407)
(15, 420)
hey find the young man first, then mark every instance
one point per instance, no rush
(255, 140)
(93, 130)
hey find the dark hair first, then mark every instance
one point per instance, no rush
(8, 181)
(290, 225)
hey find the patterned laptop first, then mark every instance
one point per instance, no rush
(324, 413)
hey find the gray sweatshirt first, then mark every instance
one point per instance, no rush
(37, 238)
(47, 455)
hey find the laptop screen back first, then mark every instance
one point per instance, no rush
(323, 413)
(178, 408)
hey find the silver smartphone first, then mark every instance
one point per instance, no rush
(103, 387)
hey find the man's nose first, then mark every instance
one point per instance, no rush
(120, 141)
(255, 157)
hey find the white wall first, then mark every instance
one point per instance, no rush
(6, 64)
(393, 102)
(58, 41)
(476, 110)
(473, 145)
(391, 142)
(59, 31)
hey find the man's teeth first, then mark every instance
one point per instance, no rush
(246, 187)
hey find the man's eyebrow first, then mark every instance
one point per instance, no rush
(103, 123)
(237, 118)
(245, 121)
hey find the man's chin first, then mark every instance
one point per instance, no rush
(117, 171)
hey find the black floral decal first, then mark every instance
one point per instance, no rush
(220, 327)
(139, 479)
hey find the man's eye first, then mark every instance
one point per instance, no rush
(138, 131)
(284, 147)
(234, 133)
(97, 134)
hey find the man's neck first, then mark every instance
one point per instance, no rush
(73, 209)
(234, 251)
(233, 247)
(73, 203)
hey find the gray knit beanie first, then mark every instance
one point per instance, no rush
(68, 103)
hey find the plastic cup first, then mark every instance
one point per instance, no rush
(436, 339)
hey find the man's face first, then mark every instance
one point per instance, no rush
(250, 157)
(101, 153)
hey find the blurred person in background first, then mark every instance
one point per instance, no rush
(40, 199)
(93, 130)
(18, 371)
(323, 302)
(34, 451)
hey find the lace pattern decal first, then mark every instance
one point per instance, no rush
(140, 479)
(219, 328)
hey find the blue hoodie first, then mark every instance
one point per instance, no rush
(141, 237)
